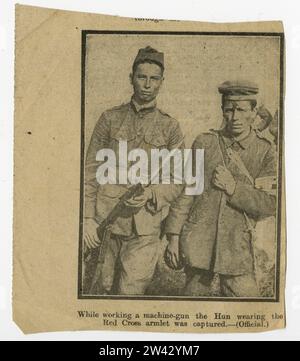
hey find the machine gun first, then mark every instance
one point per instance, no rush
(94, 258)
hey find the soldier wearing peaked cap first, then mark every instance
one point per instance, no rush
(132, 252)
(214, 232)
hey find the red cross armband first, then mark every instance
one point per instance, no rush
(266, 184)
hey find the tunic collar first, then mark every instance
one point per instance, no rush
(243, 143)
(140, 107)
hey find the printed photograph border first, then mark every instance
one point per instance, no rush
(280, 188)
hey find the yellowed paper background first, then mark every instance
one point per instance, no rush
(47, 175)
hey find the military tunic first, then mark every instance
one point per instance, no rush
(135, 238)
(214, 233)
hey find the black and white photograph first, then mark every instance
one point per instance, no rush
(219, 93)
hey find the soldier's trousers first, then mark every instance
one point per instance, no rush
(204, 283)
(130, 264)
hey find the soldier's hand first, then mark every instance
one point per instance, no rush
(172, 251)
(224, 180)
(140, 200)
(91, 238)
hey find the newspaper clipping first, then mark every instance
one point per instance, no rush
(149, 174)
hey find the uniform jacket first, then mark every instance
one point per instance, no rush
(144, 128)
(215, 235)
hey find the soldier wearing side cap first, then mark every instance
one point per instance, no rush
(213, 233)
(132, 252)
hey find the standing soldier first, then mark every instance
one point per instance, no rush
(132, 251)
(217, 227)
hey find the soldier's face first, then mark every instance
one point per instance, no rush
(238, 116)
(146, 81)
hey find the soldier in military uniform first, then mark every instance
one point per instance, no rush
(216, 228)
(132, 252)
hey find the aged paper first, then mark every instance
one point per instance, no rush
(149, 174)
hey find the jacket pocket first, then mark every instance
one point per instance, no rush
(122, 133)
(156, 139)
